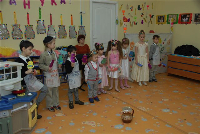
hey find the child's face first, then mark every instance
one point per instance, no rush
(73, 52)
(51, 45)
(156, 40)
(27, 51)
(142, 37)
(100, 52)
(114, 47)
(95, 58)
(82, 41)
(125, 45)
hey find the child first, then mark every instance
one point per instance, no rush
(92, 76)
(74, 76)
(48, 64)
(26, 50)
(154, 57)
(125, 64)
(114, 54)
(141, 73)
(102, 68)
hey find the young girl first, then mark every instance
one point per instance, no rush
(141, 73)
(48, 64)
(102, 68)
(92, 77)
(125, 64)
(114, 57)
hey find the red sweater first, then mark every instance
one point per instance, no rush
(82, 49)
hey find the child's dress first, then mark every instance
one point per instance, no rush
(125, 64)
(141, 73)
(102, 73)
(114, 63)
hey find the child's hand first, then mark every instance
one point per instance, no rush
(125, 57)
(83, 63)
(136, 62)
(85, 80)
(30, 71)
(50, 69)
(72, 64)
(35, 72)
(101, 65)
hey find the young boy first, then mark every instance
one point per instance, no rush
(26, 50)
(154, 58)
(48, 63)
(74, 77)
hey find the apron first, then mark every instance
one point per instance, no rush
(156, 56)
(32, 83)
(52, 78)
(74, 78)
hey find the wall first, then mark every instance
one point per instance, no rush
(183, 34)
(66, 10)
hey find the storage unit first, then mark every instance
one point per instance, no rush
(19, 114)
(184, 66)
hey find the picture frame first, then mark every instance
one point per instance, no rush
(174, 16)
(185, 18)
(196, 18)
(161, 19)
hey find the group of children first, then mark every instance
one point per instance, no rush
(115, 64)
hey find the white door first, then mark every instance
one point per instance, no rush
(103, 22)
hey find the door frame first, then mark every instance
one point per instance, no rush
(91, 11)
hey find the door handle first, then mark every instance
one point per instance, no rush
(8, 126)
(0, 127)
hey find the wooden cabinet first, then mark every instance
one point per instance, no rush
(183, 66)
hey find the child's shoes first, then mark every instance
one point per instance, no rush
(96, 98)
(103, 91)
(71, 105)
(99, 92)
(79, 102)
(91, 100)
(57, 107)
(51, 109)
(144, 83)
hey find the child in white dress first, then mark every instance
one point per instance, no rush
(141, 73)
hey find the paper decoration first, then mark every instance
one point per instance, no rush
(72, 31)
(147, 7)
(160, 19)
(117, 21)
(121, 23)
(152, 5)
(142, 7)
(1, 0)
(196, 17)
(42, 2)
(126, 19)
(131, 8)
(12, 2)
(51, 28)
(145, 19)
(131, 23)
(125, 28)
(185, 18)
(26, 4)
(41, 29)
(16, 31)
(62, 34)
(120, 8)
(139, 8)
(127, 6)
(70, 2)
(53, 2)
(142, 14)
(135, 11)
(123, 11)
(62, 2)
(142, 22)
(130, 15)
(4, 33)
(29, 32)
(174, 16)
(81, 28)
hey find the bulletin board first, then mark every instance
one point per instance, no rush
(164, 44)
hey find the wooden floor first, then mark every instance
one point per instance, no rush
(170, 106)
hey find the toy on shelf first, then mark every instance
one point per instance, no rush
(60, 59)
(10, 77)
